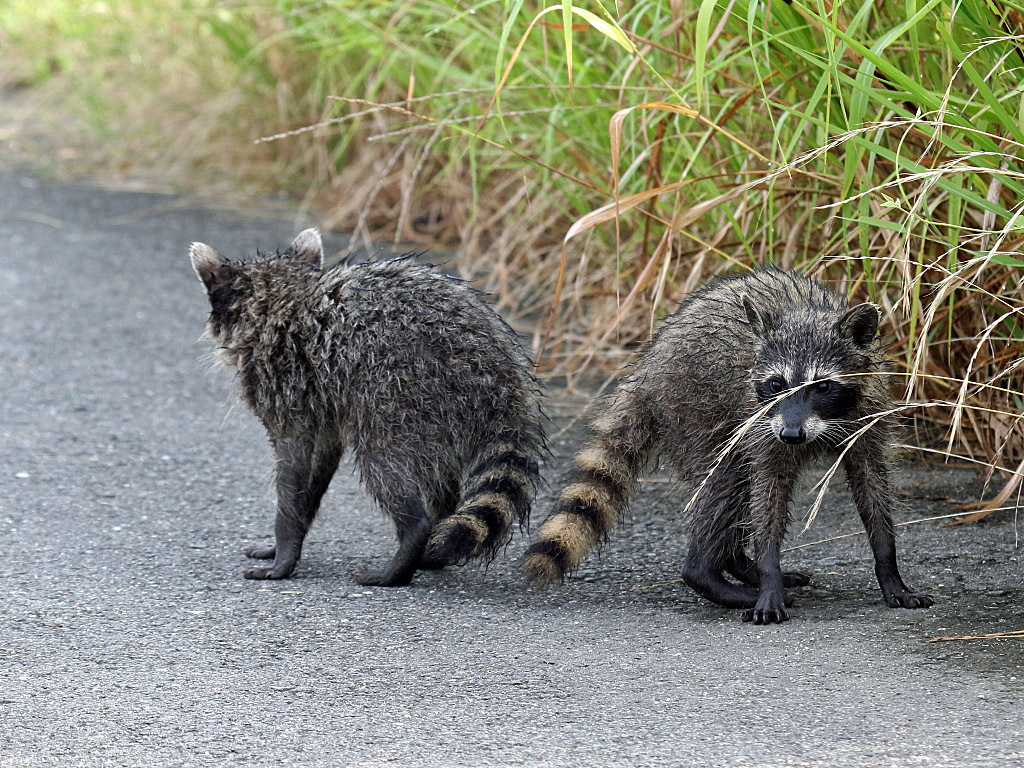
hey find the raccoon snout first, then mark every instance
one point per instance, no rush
(792, 435)
(788, 433)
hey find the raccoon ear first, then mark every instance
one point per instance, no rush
(860, 324)
(307, 248)
(756, 320)
(211, 268)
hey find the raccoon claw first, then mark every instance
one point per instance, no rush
(908, 598)
(376, 577)
(795, 579)
(260, 553)
(273, 573)
(770, 609)
(766, 616)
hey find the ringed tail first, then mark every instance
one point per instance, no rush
(596, 491)
(498, 491)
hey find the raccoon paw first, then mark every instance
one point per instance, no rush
(795, 578)
(770, 609)
(428, 563)
(272, 573)
(260, 553)
(908, 598)
(378, 577)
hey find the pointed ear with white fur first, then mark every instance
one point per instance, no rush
(211, 268)
(307, 248)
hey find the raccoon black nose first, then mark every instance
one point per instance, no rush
(792, 435)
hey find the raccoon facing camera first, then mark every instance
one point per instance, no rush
(753, 378)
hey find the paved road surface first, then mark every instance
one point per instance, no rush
(128, 637)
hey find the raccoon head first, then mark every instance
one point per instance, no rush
(228, 283)
(805, 365)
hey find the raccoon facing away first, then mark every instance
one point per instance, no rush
(408, 369)
(787, 369)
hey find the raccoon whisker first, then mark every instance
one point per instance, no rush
(700, 397)
(833, 433)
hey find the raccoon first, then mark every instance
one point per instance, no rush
(409, 369)
(784, 369)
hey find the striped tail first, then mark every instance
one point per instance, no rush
(499, 491)
(597, 489)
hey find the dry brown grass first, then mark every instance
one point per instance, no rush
(708, 147)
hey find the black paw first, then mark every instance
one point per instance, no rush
(770, 609)
(272, 573)
(795, 579)
(428, 563)
(766, 615)
(376, 577)
(908, 598)
(260, 553)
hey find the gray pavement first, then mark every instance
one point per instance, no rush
(128, 486)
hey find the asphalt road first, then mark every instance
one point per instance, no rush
(128, 486)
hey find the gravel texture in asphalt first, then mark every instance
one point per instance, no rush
(129, 485)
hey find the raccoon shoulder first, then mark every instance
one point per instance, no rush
(709, 327)
(772, 290)
(415, 300)
(398, 282)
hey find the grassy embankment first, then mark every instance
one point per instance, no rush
(874, 144)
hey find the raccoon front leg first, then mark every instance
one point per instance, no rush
(703, 574)
(304, 470)
(868, 475)
(770, 496)
(413, 526)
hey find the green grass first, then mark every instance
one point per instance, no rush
(874, 144)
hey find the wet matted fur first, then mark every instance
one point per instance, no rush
(408, 369)
(785, 370)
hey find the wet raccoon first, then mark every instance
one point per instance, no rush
(772, 341)
(409, 369)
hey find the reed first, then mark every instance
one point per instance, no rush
(592, 164)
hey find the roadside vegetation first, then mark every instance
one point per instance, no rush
(592, 164)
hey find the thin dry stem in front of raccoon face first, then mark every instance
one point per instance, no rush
(854, 436)
(726, 450)
(824, 482)
(756, 423)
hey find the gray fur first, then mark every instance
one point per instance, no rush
(408, 369)
(692, 391)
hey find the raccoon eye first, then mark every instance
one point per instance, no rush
(823, 387)
(776, 384)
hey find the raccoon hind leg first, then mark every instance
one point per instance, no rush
(703, 573)
(413, 527)
(742, 568)
(445, 502)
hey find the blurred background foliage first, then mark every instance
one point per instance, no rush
(875, 145)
